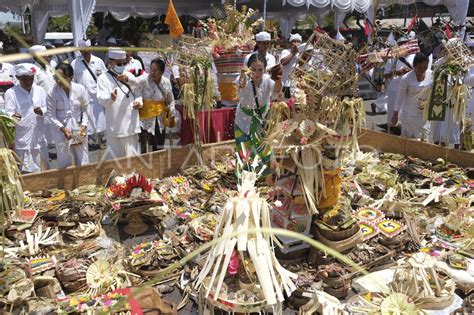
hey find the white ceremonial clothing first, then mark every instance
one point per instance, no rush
(288, 67)
(7, 78)
(469, 81)
(150, 90)
(247, 100)
(123, 146)
(30, 140)
(84, 77)
(122, 120)
(409, 105)
(391, 85)
(447, 131)
(271, 61)
(45, 79)
(134, 66)
(69, 111)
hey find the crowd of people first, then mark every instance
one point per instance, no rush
(111, 102)
(84, 103)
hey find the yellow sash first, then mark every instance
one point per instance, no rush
(152, 109)
(228, 91)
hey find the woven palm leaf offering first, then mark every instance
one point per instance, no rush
(131, 195)
(10, 187)
(147, 259)
(232, 41)
(337, 228)
(448, 97)
(418, 285)
(326, 119)
(196, 82)
(420, 279)
(241, 272)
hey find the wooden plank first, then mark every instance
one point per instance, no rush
(153, 165)
(389, 143)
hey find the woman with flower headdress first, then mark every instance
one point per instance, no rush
(250, 119)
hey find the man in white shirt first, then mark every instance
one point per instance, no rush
(394, 70)
(263, 40)
(121, 108)
(288, 61)
(26, 102)
(44, 78)
(44, 72)
(87, 68)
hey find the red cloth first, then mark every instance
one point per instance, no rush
(220, 127)
(412, 24)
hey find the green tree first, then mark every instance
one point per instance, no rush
(59, 24)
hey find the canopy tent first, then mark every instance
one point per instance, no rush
(457, 9)
(288, 11)
(81, 11)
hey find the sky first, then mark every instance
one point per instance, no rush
(8, 17)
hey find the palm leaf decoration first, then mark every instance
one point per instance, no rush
(7, 127)
(11, 191)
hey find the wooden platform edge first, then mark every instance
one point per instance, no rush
(383, 142)
(153, 165)
(168, 162)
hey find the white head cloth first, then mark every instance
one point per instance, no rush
(84, 43)
(36, 49)
(117, 54)
(295, 37)
(24, 69)
(263, 37)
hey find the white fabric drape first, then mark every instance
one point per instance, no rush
(39, 23)
(457, 8)
(287, 22)
(81, 14)
(339, 19)
(343, 6)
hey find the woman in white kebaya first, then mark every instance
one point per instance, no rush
(408, 100)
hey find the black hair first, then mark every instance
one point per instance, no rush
(66, 68)
(160, 64)
(419, 58)
(253, 58)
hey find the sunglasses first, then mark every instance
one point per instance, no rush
(122, 64)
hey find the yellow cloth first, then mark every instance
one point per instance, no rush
(172, 19)
(152, 109)
(332, 180)
(228, 91)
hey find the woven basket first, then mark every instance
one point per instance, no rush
(232, 60)
(343, 245)
(336, 236)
